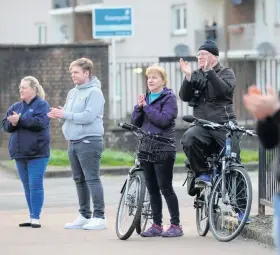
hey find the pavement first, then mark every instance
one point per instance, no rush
(61, 206)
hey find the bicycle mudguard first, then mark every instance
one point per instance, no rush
(123, 187)
(131, 171)
(234, 164)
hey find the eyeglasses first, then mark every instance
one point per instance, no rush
(202, 54)
(23, 87)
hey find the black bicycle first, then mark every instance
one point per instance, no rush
(224, 204)
(134, 209)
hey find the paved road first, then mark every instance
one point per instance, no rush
(60, 207)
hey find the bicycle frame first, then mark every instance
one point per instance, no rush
(225, 160)
(134, 168)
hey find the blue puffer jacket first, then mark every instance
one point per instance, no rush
(31, 137)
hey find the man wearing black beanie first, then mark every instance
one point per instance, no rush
(210, 46)
(209, 90)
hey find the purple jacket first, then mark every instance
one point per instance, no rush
(159, 116)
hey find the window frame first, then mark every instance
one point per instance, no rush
(183, 16)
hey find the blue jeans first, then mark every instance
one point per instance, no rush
(276, 224)
(31, 173)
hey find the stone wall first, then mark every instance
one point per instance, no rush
(50, 65)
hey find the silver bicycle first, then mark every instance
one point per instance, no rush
(134, 208)
(224, 204)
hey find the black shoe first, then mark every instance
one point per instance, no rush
(25, 224)
(35, 225)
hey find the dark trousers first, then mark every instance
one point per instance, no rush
(85, 157)
(159, 178)
(198, 141)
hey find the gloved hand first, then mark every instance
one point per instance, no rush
(199, 84)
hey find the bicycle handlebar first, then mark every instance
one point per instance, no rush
(128, 127)
(205, 123)
(133, 128)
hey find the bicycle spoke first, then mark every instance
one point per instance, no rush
(226, 218)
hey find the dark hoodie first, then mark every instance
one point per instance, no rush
(157, 117)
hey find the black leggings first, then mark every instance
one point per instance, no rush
(159, 177)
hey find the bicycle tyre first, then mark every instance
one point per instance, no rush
(200, 230)
(247, 211)
(138, 225)
(124, 236)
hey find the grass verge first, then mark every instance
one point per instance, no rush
(118, 158)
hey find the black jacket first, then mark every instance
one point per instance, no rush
(268, 133)
(215, 102)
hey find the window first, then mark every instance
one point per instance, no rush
(41, 33)
(179, 19)
(61, 4)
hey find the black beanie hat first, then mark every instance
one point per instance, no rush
(211, 47)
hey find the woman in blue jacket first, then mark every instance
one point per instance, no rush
(156, 113)
(29, 145)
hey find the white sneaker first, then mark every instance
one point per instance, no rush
(96, 223)
(35, 223)
(78, 223)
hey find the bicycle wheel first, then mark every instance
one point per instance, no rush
(202, 222)
(146, 214)
(227, 225)
(130, 206)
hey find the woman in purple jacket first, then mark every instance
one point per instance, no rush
(156, 113)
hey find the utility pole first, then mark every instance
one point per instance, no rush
(73, 5)
(226, 32)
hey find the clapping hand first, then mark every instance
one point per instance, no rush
(141, 100)
(186, 68)
(14, 118)
(209, 63)
(56, 113)
(259, 105)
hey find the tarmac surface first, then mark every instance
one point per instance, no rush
(61, 207)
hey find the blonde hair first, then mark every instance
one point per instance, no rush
(34, 84)
(85, 63)
(160, 70)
